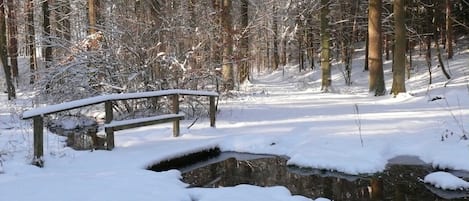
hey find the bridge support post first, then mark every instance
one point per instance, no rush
(212, 111)
(176, 129)
(109, 131)
(38, 126)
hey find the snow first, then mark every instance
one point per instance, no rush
(446, 181)
(246, 193)
(272, 114)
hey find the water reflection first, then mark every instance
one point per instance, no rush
(398, 182)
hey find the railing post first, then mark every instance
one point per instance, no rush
(109, 131)
(212, 111)
(176, 130)
(38, 127)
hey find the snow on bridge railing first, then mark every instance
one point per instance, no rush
(110, 97)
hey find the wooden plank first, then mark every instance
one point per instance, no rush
(212, 111)
(108, 119)
(134, 123)
(38, 126)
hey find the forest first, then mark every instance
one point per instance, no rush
(78, 49)
(314, 100)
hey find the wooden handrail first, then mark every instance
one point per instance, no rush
(37, 114)
(51, 109)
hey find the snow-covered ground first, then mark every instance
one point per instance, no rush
(285, 114)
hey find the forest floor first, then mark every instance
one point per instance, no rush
(281, 112)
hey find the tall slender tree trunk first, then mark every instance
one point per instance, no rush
(92, 16)
(283, 60)
(63, 20)
(300, 40)
(325, 47)
(367, 51)
(387, 47)
(227, 67)
(13, 45)
(3, 53)
(30, 40)
(375, 57)
(310, 40)
(216, 43)
(275, 55)
(449, 30)
(47, 33)
(398, 84)
(438, 22)
(409, 67)
(244, 43)
(428, 57)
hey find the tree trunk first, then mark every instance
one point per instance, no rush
(300, 38)
(216, 49)
(367, 51)
(3, 53)
(13, 45)
(63, 20)
(437, 22)
(409, 65)
(227, 67)
(449, 30)
(30, 40)
(91, 16)
(387, 49)
(47, 33)
(275, 55)
(283, 60)
(244, 43)
(428, 57)
(310, 40)
(375, 57)
(325, 51)
(398, 84)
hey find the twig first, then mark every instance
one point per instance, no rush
(459, 120)
(188, 127)
(359, 124)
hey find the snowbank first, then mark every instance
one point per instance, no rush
(446, 181)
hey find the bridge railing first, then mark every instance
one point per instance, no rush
(37, 114)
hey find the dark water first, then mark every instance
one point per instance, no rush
(400, 181)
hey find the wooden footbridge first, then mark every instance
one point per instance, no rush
(111, 125)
